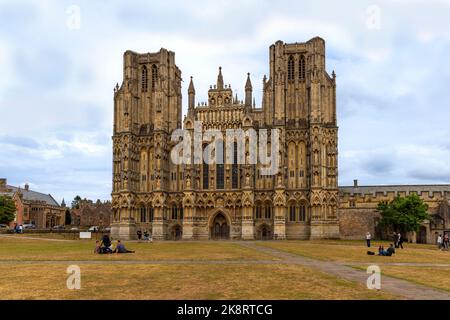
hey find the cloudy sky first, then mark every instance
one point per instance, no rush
(59, 61)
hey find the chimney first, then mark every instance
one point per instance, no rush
(27, 187)
(355, 183)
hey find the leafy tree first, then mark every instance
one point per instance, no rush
(7, 209)
(403, 214)
(76, 202)
(68, 218)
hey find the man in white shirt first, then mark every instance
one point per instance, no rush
(368, 238)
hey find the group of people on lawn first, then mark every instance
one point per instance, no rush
(443, 242)
(398, 243)
(105, 246)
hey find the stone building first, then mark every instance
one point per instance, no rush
(33, 207)
(358, 214)
(200, 200)
(232, 200)
(91, 213)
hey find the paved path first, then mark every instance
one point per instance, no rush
(395, 286)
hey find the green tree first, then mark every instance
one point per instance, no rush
(403, 214)
(76, 202)
(7, 209)
(68, 217)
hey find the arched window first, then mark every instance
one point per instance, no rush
(302, 68)
(143, 214)
(291, 68)
(234, 170)
(302, 213)
(150, 214)
(154, 75)
(144, 78)
(219, 165)
(267, 212)
(292, 213)
(258, 211)
(206, 172)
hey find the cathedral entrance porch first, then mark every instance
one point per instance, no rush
(219, 228)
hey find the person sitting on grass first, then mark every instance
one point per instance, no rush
(106, 244)
(120, 248)
(389, 252)
(98, 247)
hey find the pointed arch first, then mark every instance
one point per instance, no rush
(290, 68)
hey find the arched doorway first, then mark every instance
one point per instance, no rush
(176, 232)
(219, 228)
(264, 232)
(422, 235)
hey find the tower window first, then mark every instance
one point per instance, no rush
(302, 68)
(144, 79)
(219, 165)
(234, 173)
(291, 68)
(154, 75)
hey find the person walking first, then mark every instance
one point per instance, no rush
(395, 239)
(368, 238)
(400, 240)
(439, 241)
(446, 241)
(139, 234)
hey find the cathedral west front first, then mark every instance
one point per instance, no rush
(232, 199)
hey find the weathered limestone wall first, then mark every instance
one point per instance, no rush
(355, 222)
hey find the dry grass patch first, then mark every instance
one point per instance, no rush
(352, 251)
(36, 250)
(435, 277)
(179, 282)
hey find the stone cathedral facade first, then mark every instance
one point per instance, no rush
(227, 201)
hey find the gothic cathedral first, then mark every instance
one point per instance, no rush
(231, 200)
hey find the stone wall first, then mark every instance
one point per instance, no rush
(355, 222)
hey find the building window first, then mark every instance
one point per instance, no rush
(181, 213)
(143, 214)
(258, 212)
(219, 176)
(205, 176)
(352, 203)
(150, 214)
(292, 215)
(268, 212)
(154, 75)
(302, 213)
(302, 68)
(144, 79)
(174, 213)
(219, 165)
(301, 173)
(292, 173)
(291, 68)
(234, 169)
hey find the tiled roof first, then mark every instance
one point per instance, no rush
(30, 195)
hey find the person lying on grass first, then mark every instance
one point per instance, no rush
(120, 248)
